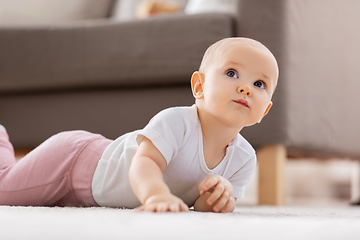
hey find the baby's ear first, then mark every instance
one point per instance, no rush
(266, 111)
(197, 81)
(268, 108)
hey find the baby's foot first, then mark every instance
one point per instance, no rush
(2, 128)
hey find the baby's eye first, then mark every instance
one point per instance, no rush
(259, 84)
(232, 74)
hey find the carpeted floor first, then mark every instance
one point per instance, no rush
(247, 222)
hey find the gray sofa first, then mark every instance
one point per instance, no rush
(111, 77)
(103, 76)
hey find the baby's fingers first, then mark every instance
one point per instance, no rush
(174, 208)
(184, 207)
(223, 201)
(162, 207)
(140, 208)
(207, 184)
(216, 194)
(230, 205)
(146, 208)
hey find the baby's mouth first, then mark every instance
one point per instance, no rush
(242, 102)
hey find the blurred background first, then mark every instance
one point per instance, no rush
(311, 181)
(108, 66)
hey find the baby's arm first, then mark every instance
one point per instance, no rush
(216, 195)
(147, 182)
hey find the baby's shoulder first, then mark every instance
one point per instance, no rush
(177, 114)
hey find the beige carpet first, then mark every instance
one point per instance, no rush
(247, 222)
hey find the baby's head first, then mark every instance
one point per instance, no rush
(236, 73)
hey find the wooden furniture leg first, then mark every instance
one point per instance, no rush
(271, 166)
(355, 183)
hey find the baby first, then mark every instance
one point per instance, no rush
(185, 156)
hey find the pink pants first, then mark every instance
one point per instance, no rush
(59, 172)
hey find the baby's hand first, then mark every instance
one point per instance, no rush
(222, 193)
(163, 203)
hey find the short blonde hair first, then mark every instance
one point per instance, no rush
(213, 51)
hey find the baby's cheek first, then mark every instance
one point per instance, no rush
(261, 113)
(257, 116)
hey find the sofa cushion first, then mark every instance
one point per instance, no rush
(14, 12)
(159, 50)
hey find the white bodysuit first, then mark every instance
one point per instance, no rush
(176, 133)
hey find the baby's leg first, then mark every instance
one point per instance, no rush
(42, 178)
(7, 157)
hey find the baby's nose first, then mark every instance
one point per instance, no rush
(245, 90)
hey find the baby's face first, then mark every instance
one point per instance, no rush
(239, 82)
